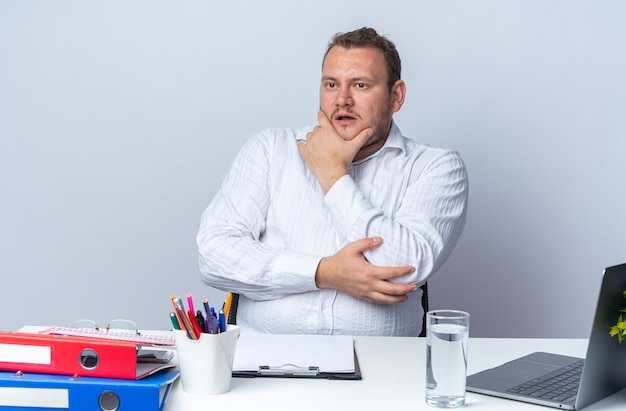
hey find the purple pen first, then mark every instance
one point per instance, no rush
(207, 310)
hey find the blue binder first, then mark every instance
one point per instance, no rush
(30, 392)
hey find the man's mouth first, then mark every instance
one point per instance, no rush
(344, 117)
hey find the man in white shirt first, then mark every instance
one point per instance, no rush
(331, 229)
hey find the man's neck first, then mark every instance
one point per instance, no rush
(369, 149)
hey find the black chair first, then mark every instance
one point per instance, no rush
(425, 308)
(232, 314)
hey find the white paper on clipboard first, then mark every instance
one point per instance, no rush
(328, 353)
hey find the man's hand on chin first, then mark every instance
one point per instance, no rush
(327, 154)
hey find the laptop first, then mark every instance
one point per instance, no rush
(598, 375)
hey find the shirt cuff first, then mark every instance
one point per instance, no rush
(346, 203)
(295, 271)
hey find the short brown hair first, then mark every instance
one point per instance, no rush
(367, 37)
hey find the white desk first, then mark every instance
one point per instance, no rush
(393, 379)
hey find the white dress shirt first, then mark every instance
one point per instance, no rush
(269, 225)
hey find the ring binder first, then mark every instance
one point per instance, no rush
(32, 391)
(60, 354)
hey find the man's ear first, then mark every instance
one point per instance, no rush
(398, 92)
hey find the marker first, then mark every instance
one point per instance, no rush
(201, 321)
(174, 320)
(195, 325)
(181, 324)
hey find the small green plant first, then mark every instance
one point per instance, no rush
(619, 329)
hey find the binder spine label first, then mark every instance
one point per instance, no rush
(34, 397)
(26, 354)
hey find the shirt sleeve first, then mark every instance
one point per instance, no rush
(426, 225)
(231, 255)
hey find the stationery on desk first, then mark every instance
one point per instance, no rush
(195, 322)
(273, 355)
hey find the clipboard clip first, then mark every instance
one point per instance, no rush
(288, 370)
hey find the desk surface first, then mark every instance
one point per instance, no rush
(393, 378)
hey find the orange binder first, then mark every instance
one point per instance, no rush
(68, 355)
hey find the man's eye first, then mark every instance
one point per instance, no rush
(330, 85)
(360, 85)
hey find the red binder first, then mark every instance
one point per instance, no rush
(67, 355)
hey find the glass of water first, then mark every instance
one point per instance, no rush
(447, 334)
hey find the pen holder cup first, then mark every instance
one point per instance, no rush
(206, 364)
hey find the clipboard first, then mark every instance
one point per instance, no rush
(296, 356)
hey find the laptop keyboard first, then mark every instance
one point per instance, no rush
(557, 387)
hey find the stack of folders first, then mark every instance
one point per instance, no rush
(44, 371)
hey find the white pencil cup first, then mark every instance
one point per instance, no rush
(206, 364)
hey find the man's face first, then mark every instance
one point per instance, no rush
(354, 93)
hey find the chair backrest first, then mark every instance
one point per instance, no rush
(425, 308)
(232, 313)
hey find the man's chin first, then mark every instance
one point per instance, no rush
(346, 133)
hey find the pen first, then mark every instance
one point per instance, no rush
(174, 320)
(214, 321)
(207, 310)
(209, 318)
(222, 321)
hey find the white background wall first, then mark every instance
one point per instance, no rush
(119, 119)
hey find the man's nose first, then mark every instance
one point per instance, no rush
(344, 97)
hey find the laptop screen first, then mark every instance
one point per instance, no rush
(605, 371)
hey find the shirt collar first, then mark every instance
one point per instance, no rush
(395, 140)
